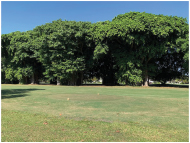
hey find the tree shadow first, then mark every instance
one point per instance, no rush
(14, 93)
(170, 85)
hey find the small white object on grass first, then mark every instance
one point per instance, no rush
(98, 94)
(67, 99)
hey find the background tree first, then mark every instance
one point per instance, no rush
(19, 58)
(61, 49)
(133, 39)
(131, 48)
(169, 66)
(7, 74)
(149, 36)
(182, 45)
(104, 61)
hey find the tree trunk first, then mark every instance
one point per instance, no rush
(145, 78)
(76, 78)
(36, 79)
(72, 80)
(126, 81)
(32, 79)
(58, 81)
(109, 80)
(24, 80)
(54, 81)
(15, 82)
(7, 81)
(79, 78)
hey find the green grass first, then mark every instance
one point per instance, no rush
(95, 113)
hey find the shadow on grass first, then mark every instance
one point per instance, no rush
(99, 84)
(170, 85)
(14, 93)
(151, 85)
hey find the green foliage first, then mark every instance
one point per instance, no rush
(156, 82)
(18, 52)
(169, 66)
(183, 79)
(100, 50)
(128, 48)
(183, 45)
(144, 36)
(62, 48)
(129, 73)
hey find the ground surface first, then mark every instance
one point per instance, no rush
(94, 113)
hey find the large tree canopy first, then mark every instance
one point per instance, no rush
(63, 49)
(131, 48)
(135, 38)
(18, 57)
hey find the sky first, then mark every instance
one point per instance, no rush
(26, 15)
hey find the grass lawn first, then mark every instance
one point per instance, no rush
(47, 113)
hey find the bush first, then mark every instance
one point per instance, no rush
(156, 82)
(185, 81)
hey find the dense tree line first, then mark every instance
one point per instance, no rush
(131, 48)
